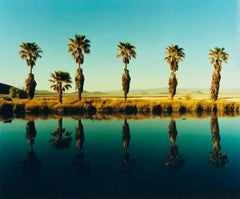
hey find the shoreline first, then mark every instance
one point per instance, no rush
(117, 106)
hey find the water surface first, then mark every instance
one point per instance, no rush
(147, 158)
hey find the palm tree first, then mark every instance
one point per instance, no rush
(174, 56)
(217, 56)
(126, 51)
(30, 52)
(61, 82)
(77, 47)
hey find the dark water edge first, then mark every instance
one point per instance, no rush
(6, 118)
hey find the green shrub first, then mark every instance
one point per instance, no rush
(17, 93)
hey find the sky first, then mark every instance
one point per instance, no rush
(150, 25)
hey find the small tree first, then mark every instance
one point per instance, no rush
(17, 93)
(61, 81)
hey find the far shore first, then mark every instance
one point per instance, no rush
(110, 104)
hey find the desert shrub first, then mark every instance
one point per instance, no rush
(229, 109)
(130, 109)
(157, 109)
(17, 93)
(182, 109)
(107, 110)
(91, 110)
(199, 109)
(19, 108)
(6, 109)
(33, 109)
(169, 109)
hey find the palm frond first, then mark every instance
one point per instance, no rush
(126, 51)
(78, 46)
(60, 80)
(30, 52)
(174, 56)
(218, 55)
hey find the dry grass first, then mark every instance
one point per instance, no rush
(135, 107)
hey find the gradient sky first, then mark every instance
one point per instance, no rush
(150, 25)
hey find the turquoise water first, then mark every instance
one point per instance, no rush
(148, 158)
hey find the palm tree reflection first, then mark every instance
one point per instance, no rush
(80, 167)
(174, 160)
(61, 139)
(31, 164)
(126, 164)
(216, 157)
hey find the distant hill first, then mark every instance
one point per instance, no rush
(4, 88)
(164, 90)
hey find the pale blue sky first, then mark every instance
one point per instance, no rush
(150, 25)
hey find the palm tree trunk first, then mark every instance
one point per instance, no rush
(31, 69)
(30, 86)
(79, 81)
(79, 95)
(79, 91)
(125, 83)
(216, 77)
(172, 83)
(60, 94)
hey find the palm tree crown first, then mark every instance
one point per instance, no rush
(126, 51)
(77, 47)
(61, 82)
(30, 52)
(217, 56)
(58, 78)
(174, 56)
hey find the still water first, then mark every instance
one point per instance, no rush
(69, 158)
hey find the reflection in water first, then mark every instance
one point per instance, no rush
(79, 137)
(31, 164)
(98, 143)
(216, 157)
(174, 160)
(126, 164)
(80, 167)
(61, 139)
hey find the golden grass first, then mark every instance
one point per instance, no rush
(98, 108)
